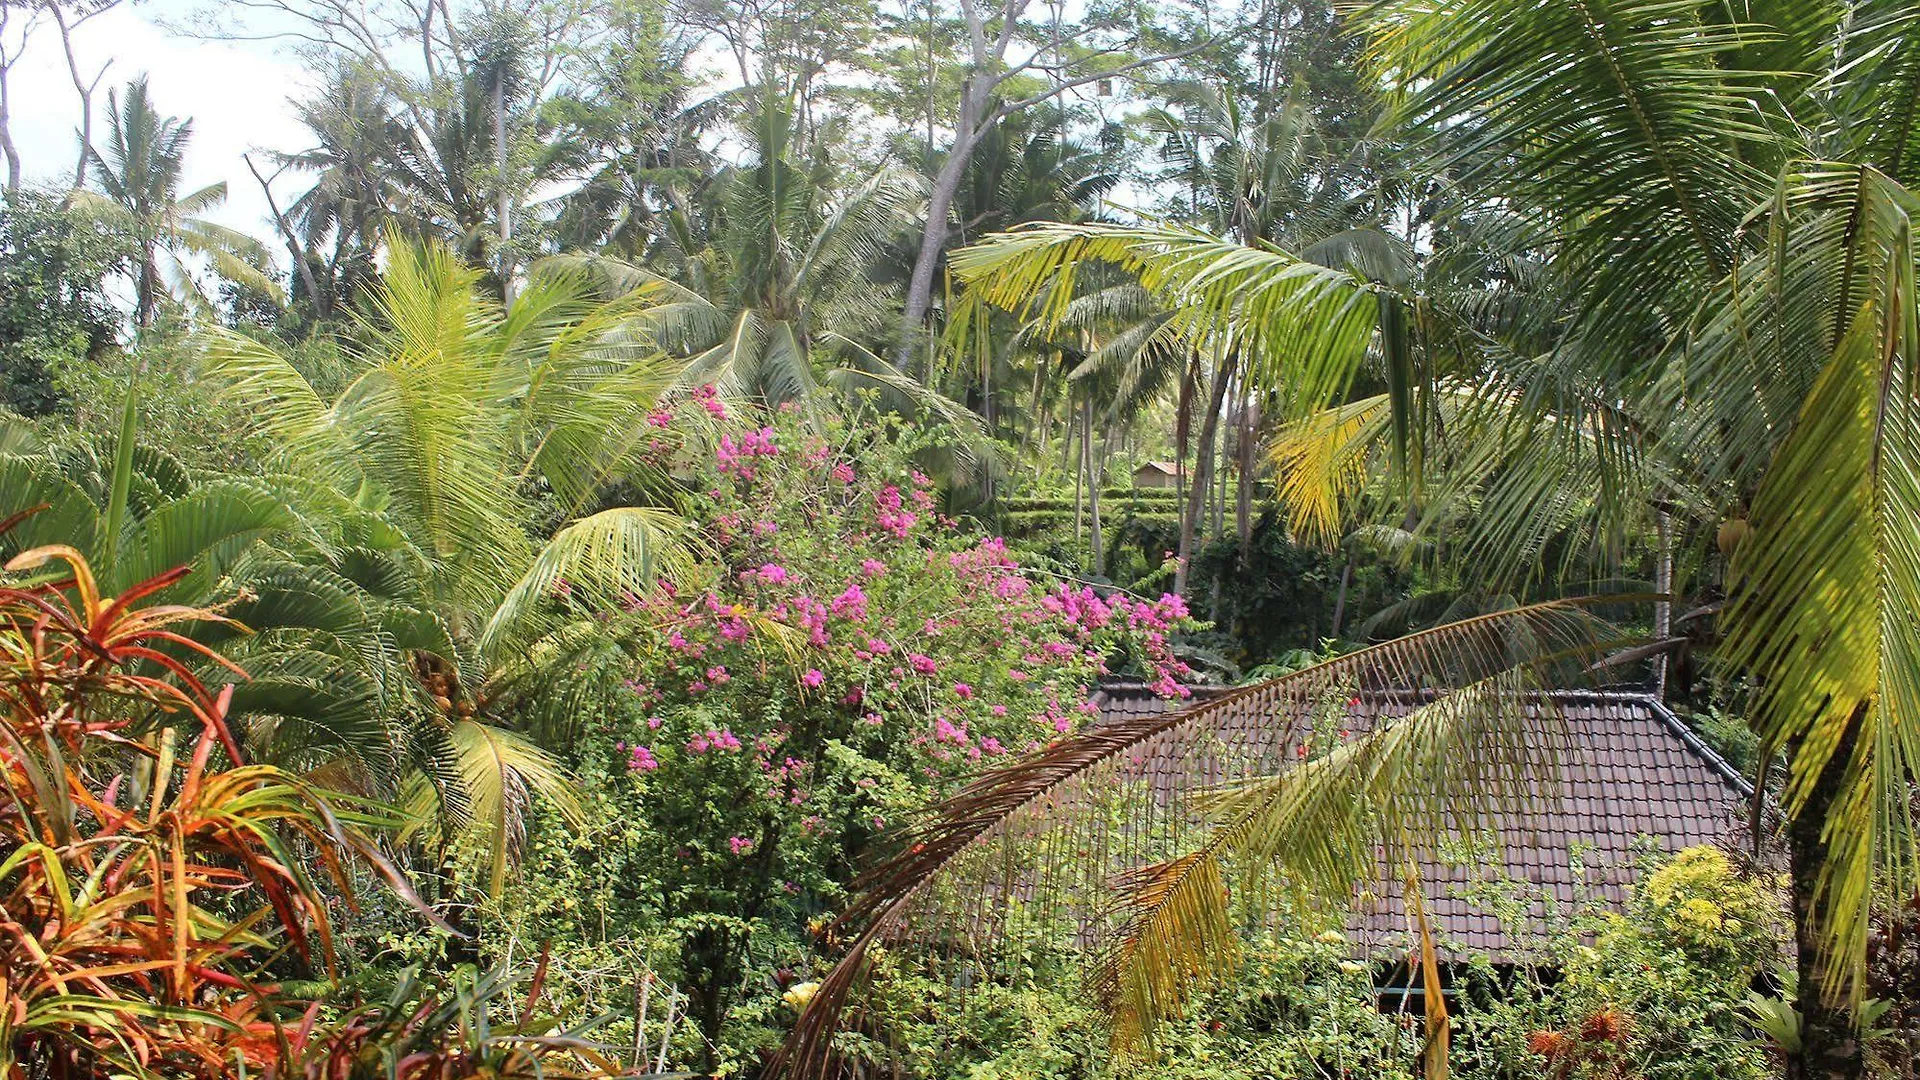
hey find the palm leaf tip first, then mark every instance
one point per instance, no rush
(1177, 936)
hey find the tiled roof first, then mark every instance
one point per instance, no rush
(1638, 776)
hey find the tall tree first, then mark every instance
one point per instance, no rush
(139, 173)
(991, 63)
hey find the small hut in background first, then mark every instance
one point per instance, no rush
(1156, 474)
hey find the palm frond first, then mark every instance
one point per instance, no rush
(1303, 326)
(1320, 465)
(500, 774)
(1453, 766)
(1049, 830)
(1497, 90)
(601, 561)
(1827, 586)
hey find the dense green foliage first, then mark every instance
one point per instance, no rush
(54, 266)
(661, 462)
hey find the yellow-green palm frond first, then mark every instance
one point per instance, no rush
(600, 562)
(1320, 466)
(1599, 121)
(1827, 586)
(1453, 765)
(500, 773)
(1303, 326)
(1178, 938)
(267, 386)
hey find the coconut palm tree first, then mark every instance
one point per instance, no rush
(342, 217)
(763, 287)
(462, 432)
(1730, 230)
(319, 583)
(1714, 307)
(139, 173)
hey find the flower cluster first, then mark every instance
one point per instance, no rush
(854, 649)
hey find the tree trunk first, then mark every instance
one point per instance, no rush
(1243, 503)
(6, 143)
(1183, 429)
(1221, 473)
(147, 290)
(1662, 608)
(502, 196)
(81, 87)
(1196, 496)
(933, 235)
(1029, 438)
(1829, 1049)
(7, 148)
(1093, 486)
(1340, 600)
(1079, 477)
(295, 250)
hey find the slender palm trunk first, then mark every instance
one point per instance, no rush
(502, 195)
(1079, 477)
(1196, 496)
(1183, 428)
(147, 290)
(1029, 437)
(1222, 473)
(1093, 485)
(1662, 608)
(1243, 503)
(1340, 600)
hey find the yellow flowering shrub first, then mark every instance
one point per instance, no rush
(1699, 902)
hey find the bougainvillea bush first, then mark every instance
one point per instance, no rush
(846, 652)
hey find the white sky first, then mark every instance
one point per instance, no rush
(236, 94)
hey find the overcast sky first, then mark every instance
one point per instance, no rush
(236, 94)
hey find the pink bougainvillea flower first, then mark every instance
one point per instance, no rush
(814, 678)
(851, 604)
(740, 844)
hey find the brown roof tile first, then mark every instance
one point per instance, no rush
(1639, 776)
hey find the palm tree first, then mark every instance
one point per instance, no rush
(342, 217)
(1720, 217)
(139, 172)
(1258, 179)
(764, 288)
(463, 430)
(1731, 228)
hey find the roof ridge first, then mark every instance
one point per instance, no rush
(1675, 726)
(1699, 747)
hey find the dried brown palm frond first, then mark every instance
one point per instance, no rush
(1125, 837)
